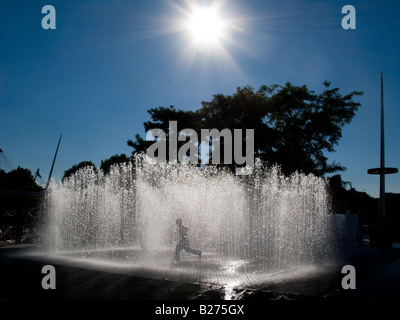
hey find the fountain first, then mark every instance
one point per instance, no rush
(249, 228)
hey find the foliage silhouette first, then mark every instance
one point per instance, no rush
(115, 159)
(83, 164)
(294, 127)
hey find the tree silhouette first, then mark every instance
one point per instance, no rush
(115, 159)
(294, 127)
(21, 199)
(160, 120)
(83, 164)
(19, 179)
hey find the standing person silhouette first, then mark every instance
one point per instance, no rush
(183, 241)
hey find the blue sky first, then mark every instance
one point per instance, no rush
(94, 77)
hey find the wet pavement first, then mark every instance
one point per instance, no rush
(377, 278)
(116, 292)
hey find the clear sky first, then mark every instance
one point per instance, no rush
(93, 78)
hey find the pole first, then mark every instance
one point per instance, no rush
(382, 196)
(383, 235)
(54, 160)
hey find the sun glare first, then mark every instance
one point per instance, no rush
(206, 26)
(210, 36)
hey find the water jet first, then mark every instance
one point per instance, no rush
(251, 229)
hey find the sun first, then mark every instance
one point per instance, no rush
(206, 26)
(209, 37)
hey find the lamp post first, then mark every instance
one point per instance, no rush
(382, 170)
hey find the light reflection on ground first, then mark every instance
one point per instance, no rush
(231, 273)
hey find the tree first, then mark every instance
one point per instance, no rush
(160, 119)
(294, 127)
(22, 196)
(306, 125)
(245, 109)
(19, 179)
(115, 159)
(83, 164)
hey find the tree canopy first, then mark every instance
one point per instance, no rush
(115, 159)
(20, 187)
(19, 179)
(294, 127)
(105, 165)
(83, 164)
